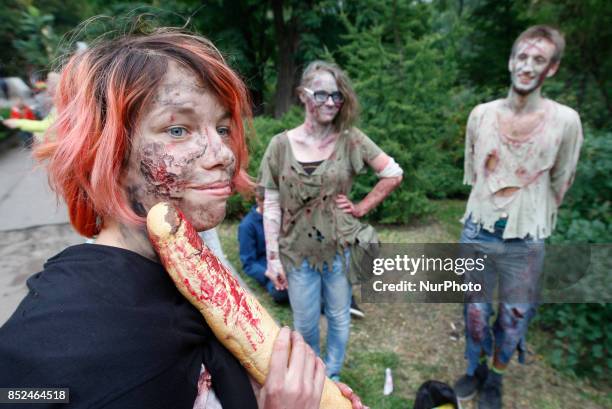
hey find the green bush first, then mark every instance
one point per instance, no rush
(582, 333)
(585, 215)
(582, 338)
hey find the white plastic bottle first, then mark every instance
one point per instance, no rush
(388, 388)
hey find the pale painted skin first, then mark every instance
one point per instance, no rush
(524, 109)
(180, 154)
(531, 64)
(315, 140)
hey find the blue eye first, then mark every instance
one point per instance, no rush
(224, 131)
(177, 131)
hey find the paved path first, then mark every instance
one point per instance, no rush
(25, 197)
(33, 227)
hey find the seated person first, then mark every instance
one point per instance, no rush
(253, 250)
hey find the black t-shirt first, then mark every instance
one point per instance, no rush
(110, 325)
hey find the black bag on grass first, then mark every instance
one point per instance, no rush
(433, 394)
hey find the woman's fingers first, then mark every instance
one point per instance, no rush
(350, 395)
(345, 204)
(309, 365)
(276, 274)
(342, 199)
(346, 391)
(298, 352)
(309, 370)
(296, 375)
(281, 281)
(275, 280)
(272, 395)
(319, 379)
(280, 356)
(298, 395)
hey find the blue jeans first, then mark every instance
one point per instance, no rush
(306, 287)
(515, 265)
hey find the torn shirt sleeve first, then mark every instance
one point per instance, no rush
(469, 173)
(269, 168)
(563, 171)
(362, 150)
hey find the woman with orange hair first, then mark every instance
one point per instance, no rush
(141, 119)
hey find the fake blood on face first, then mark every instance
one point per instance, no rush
(163, 182)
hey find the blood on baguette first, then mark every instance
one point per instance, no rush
(234, 315)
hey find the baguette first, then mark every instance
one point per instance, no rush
(237, 319)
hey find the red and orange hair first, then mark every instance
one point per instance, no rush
(99, 98)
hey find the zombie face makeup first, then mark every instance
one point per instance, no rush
(531, 64)
(180, 151)
(322, 113)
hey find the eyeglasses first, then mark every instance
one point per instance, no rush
(322, 96)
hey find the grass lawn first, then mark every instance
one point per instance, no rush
(425, 341)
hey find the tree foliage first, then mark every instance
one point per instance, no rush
(38, 41)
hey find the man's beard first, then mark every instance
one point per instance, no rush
(538, 84)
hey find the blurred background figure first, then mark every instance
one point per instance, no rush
(21, 111)
(33, 123)
(43, 100)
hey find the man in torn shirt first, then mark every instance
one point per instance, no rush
(520, 159)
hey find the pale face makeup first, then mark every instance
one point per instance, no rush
(180, 151)
(321, 113)
(531, 64)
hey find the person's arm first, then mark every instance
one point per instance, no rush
(272, 216)
(469, 175)
(248, 253)
(390, 178)
(381, 190)
(563, 171)
(28, 125)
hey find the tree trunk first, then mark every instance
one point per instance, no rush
(287, 41)
(252, 24)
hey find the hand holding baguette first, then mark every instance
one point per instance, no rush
(240, 323)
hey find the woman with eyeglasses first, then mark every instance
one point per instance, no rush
(310, 223)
